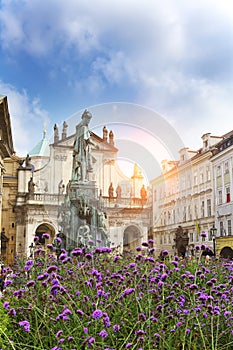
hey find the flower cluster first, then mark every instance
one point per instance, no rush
(98, 300)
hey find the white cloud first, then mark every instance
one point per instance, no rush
(175, 55)
(27, 118)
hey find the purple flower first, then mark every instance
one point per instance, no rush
(145, 244)
(50, 247)
(77, 252)
(140, 332)
(97, 314)
(42, 277)
(36, 238)
(59, 333)
(26, 325)
(128, 345)
(164, 252)
(89, 256)
(85, 330)
(131, 265)
(128, 291)
(51, 268)
(46, 236)
(31, 283)
(80, 312)
(178, 324)
(203, 234)
(91, 340)
(103, 333)
(12, 312)
(116, 328)
(7, 283)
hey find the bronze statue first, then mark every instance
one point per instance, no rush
(82, 156)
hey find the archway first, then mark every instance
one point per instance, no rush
(45, 228)
(226, 253)
(131, 238)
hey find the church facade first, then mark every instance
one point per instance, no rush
(43, 182)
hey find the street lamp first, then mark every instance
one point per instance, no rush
(213, 231)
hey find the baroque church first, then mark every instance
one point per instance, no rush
(37, 186)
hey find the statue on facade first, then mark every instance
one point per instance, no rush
(143, 193)
(111, 191)
(28, 161)
(31, 186)
(64, 130)
(56, 133)
(82, 155)
(61, 187)
(118, 191)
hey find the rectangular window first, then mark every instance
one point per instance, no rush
(202, 209)
(226, 168)
(208, 178)
(229, 227)
(191, 236)
(195, 180)
(228, 195)
(184, 214)
(208, 207)
(220, 197)
(161, 239)
(221, 229)
(201, 178)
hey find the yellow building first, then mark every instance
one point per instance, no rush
(6, 150)
(10, 189)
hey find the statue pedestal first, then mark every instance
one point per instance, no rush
(84, 216)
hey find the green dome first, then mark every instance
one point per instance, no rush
(41, 149)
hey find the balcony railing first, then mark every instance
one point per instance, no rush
(107, 202)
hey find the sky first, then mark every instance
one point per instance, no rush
(159, 73)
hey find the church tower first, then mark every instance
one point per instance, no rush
(137, 180)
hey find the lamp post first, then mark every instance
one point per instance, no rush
(213, 233)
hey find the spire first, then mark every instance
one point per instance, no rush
(44, 130)
(105, 134)
(111, 138)
(137, 172)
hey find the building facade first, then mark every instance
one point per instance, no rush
(222, 162)
(6, 150)
(183, 200)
